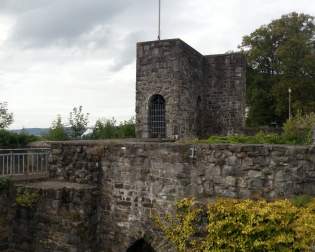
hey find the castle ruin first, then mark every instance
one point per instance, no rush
(181, 93)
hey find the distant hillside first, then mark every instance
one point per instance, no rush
(33, 131)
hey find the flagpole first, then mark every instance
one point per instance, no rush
(159, 35)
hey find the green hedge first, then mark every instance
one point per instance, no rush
(14, 140)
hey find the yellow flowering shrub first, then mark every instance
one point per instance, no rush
(240, 225)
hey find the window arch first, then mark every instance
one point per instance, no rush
(157, 127)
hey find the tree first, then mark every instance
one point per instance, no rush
(105, 129)
(57, 130)
(6, 118)
(78, 121)
(280, 55)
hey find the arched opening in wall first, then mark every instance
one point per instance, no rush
(157, 127)
(140, 246)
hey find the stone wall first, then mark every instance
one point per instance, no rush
(5, 205)
(204, 94)
(137, 179)
(225, 95)
(62, 217)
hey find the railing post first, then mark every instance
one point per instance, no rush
(24, 162)
(313, 137)
(11, 163)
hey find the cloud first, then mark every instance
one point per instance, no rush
(126, 52)
(62, 23)
(57, 54)
(18, 6)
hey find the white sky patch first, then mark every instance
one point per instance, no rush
(6, 24)
(54, 56)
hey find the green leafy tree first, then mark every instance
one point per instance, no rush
(106, 129)
(78, 121)
(57, 130)
(127, 129)
(6, 118)
(280, 55)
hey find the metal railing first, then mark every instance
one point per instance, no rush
(24, 162)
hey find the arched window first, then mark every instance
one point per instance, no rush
(157, 127)
(140, 246)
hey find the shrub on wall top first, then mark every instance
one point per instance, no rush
(299, 129)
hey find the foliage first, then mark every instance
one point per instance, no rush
(4, 184)
(259, 138)
(26, 198)
(10, 139)
(299, 129)
(301, 200)
(106, 129)
(182, 226)
(57, 131)
(78, 121)
(280, 55)
(6, 118)
(240, 225)
(127, 129)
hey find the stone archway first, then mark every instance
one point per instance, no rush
(140, 246)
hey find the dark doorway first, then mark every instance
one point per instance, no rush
(157, 126)
(140, 246)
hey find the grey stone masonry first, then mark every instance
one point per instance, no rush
(137, 179)
(63, 218)
(203, 95)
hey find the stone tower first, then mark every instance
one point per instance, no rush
(181, 93)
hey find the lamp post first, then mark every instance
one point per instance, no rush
(290, 91)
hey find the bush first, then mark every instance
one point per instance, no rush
(4, 184)
(107, 129)
(259, 138)
(26, 198)
(15, 140)
(57, 131)
(240, 225)
(301, 200)
(104, 129)
(299, 129)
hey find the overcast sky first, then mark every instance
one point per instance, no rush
(58, 54)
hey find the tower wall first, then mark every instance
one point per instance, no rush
(203, 94)
(225, 92)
